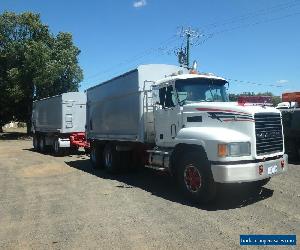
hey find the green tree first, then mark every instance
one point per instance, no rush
(33, 64)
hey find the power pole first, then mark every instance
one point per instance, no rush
(184, 54)
(188, 35)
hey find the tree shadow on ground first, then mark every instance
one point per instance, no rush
(14, 136)
(161, 184)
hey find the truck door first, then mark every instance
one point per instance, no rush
(166, 117)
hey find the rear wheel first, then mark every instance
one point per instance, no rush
(42, 145)
(96, 156)
(35, 142)
(57, 150)
(195, 177)
(111, 158)
(73, 150)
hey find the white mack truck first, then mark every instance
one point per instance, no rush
(167, 118)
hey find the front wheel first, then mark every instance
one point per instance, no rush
(195, 177)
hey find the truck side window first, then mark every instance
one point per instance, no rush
(166, 96)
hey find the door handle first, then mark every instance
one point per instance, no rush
(173, 127)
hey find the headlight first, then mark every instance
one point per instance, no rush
(234, 149)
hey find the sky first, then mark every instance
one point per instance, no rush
(255, 44)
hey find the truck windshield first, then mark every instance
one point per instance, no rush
(201, 90)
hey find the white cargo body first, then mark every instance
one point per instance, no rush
(117, 109)
(65, 113)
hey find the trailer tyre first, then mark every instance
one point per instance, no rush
(42, 145)
(111, 158)
(58, 151)
(96, 156)
(73, 150)
(195, 177)
(35, 142)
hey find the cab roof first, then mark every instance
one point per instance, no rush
(189, 76)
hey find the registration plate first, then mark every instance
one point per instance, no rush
(272, 169)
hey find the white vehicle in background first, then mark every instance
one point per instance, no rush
(167, 118)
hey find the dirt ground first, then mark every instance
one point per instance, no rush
(49, 202)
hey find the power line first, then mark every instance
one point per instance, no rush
(251, 15)
(211, 35)
(183, 54)
(143, 54)
(166, 48)
(208, 35)
(253, 83)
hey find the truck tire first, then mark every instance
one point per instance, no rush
(96, 156)
(73, 150)
(111, 158)
(35, 142)
(195, 177)
(58, 151)
(42, 145)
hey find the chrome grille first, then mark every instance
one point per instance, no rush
(268, 132)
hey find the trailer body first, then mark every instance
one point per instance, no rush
(65, 113)
(59, 122)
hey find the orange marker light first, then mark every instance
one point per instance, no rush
(193, 72)
(222, 150)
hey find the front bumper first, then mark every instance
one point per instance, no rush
(248, 172)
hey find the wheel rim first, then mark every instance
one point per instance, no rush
(108, 158)
(192, 179)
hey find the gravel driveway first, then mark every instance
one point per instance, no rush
(51, 202)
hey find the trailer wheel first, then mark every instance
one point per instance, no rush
(111, 158)
(73, 150)
(195, 177)
(96, 156)
(35, 142)
(58, 151)
(42, 145)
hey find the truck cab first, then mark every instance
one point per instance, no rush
(236, 142)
